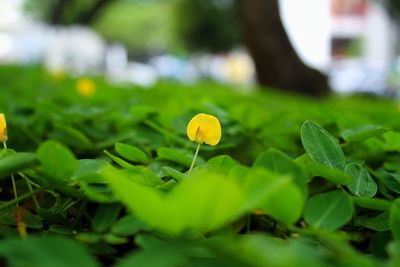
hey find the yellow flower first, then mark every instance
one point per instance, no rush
(3, 128)
(85, 87)
(204, 128)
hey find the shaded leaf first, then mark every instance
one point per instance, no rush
(277, 162)
(394, 219)
(46, 252)
(16, 162)
(174, 155)
(105, 216)
(57, 160)
(329, 210)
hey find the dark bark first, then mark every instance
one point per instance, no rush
(276, 61)
(87, 16)
(57, 11)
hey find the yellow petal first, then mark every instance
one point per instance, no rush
(3, 128)
(204, 128)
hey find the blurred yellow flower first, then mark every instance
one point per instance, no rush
(204, 128)
(85, 87)
(3, 128)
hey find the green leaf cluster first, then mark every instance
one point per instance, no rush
(103, 180)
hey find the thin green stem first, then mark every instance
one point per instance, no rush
(12, 179)
(194, 158)
(21, 198)
(29, 180)
(28, 183)
(14, 189)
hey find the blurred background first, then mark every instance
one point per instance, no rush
(304, 46)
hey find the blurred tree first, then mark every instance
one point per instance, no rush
(276, 61)
(66, 12)
(214, 25)
(207, 25)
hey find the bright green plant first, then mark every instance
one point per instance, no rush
(103, 180)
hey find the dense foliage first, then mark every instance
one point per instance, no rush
(101, 177)
(207, 25)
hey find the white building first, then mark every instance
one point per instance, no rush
(354, 41)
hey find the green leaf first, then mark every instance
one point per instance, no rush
(394, 219)
(285, 205)
(88, 237)
(58, 162)
(372, 203)
(105, 216)
(127, 226)
(175, 174)
(71, 136)
(119, 161)
(61, 230)
(46, 252)
(329, 210)
(279, 163)
(98, 192)
(239, 172)
(391, 141)
(222, 163)
(112, 239)
(16, 162)
(200, 203)
(276, 195)
(181, 157)
(258, 185)
(86, 167)
(169, 254)
(362, 133)
(335, 176)
(131, 153)
(393, 249)
(378, 223)
(322, 146)
(143, 175)
(392, 181)
(362, 184)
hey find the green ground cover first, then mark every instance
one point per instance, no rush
(102, 180)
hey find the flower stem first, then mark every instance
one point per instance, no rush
(195, 157)
(12, 178)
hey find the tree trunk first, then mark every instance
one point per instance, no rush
(276, 61)
(89, 15)
(56, 12)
